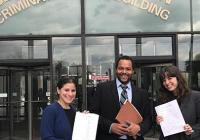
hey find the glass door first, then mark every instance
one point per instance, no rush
(13, 115)
(147, 77)
(40, 98)
(24, 93)
(4, 118)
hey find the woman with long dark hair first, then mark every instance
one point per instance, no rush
(174, 86)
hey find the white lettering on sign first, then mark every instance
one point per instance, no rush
(150, 7)
(17, 7)
(3, 1)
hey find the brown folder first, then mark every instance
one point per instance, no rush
(129, 113)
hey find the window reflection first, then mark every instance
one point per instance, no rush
(103, 16)
(100, 58)
(44, 17)
(40, 49)
(156, 46)
(66, 62)
(196, 15)
(127, 46)
(148, 46)
(14, 49)
(22, 49)
(196, 47)
(183, 51)
(64, 50)
(196, 63)
(185, 64)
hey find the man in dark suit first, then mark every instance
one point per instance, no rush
(106, 103)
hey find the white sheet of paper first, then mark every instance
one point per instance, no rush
(173, 120)
(85, 126)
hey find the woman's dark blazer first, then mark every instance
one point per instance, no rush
(190, 108)
(55, 124)
(106, 104)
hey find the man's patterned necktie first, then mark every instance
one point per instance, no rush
(124, 95)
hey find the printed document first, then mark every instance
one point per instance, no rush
(173, 120)
(85, 126)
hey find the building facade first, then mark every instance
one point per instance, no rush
(41, 40)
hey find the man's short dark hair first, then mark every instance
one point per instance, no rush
(124, 57)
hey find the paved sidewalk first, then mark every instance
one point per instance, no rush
(153, 134)
(150, 138)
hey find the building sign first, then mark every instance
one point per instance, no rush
(12, 8)
(151, 7)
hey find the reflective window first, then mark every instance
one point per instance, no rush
(196, 15)
(65, 50)
(196, 63)
(67, 61)
(100, 62)
(188, 64)
(103, 16)
(156, 46)
(40, 49)
(40, 17)
(196, 48)
(14, 49)
(149, 46)
(183, 51)
(100, 58)
(20, 49)
(127, 46)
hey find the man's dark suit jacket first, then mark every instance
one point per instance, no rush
(106, 104)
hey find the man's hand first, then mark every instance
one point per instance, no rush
(119, 129)
(133, 129)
